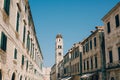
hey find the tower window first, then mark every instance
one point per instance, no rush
(59, 54)
(59, 47)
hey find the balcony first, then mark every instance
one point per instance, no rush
(115, 64)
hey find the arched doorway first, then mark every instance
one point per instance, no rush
(20, 77)
(112, 78)
(13, 76)
(0, 75)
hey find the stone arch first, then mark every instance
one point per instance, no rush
(0, 75)
(13, 76)
(112, 75)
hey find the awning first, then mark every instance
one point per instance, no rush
(87, 75)
(66, 78)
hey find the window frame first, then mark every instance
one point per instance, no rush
(117, 21)
(108, 27)
(110, 56)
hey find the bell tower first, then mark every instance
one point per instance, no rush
(58, 49)
(58, 52)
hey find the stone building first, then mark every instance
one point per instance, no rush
(20, 54)
(93, 56)
(60, 70)
(112, 42)
(75, 62)
(67, 65)
(53, 72)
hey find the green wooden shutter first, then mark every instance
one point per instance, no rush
(17, 24)
(7, 6)
(95, 62)
(15, 54)
(28, 42)
(90, 44)
(95, 42)
(117, 20)
(119, 53)
(24, 31)
(3, 41)
(108, 27)
(22, 59)
(91, 63)
(110, 56)
(27, 65)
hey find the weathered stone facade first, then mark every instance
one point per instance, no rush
(112, 42)
(93, 60)
(75, 52)
(20, 54)
(53, 73)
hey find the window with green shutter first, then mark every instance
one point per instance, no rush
(7, 6)
(83, 49)
(22, 59)
(17, 23)
(87, 64)
(3, 42)
(28, 42)
(24, 32)
(110, 56)
(119, 53)
(96, 64)
(90, 44)
(84, 65)
(108, 27)
(27, 65)
(15, 53)
(117, 20)
(91, 63)
(95, 42)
